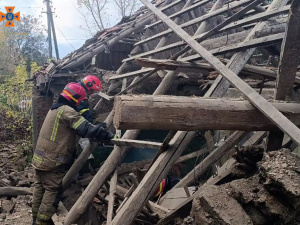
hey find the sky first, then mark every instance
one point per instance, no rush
(66, 17)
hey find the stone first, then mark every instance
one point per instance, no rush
(214, 206)
(249, 192)
(280, 170)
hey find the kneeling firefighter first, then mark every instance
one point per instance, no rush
(55, 148)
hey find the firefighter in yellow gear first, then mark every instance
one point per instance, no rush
(55, 148)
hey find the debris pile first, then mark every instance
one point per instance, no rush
(270, 196)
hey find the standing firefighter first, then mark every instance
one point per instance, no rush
(55, 148)
(90, 84)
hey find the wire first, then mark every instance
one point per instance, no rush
(65, 38)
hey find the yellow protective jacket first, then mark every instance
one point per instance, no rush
(57, 138)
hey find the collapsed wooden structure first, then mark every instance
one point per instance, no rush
(191, 41)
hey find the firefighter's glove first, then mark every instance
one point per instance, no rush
(103, 135)
(103, 125)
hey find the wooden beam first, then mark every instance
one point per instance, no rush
(193, 113)
(105, 96)
(111, 198)
(136, 143)
(186, 66)
(262, 104)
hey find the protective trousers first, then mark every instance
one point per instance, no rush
(46, 195)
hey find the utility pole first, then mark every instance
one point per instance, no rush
(51, 27)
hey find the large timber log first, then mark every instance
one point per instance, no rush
(193, 113)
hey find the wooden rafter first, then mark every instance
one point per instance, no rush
(262, 104)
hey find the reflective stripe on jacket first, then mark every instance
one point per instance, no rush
(57, 138)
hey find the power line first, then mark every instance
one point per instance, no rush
(65, 38)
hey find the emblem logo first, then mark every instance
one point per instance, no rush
(10, 16)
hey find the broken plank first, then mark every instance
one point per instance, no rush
(134, 73)
(136, 143)
(58, 217)
(14, 191)
(262, 104)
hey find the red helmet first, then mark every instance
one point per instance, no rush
(160, 189)
(91, 82)
(74, 93)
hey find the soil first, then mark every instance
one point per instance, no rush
(21, 213)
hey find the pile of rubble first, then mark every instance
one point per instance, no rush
(270, 196)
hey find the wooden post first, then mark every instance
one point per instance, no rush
(289, 61)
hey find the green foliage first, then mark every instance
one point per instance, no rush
(15, 105)
(24, 43)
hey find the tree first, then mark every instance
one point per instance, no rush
(33, 46)
(25, 42)
(9, 57)
(99, 14)
(126, 7)
(96, 9)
